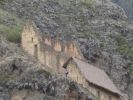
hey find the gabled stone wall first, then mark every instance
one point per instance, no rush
(101, 93)
(53, 53)
(76, 75)
(31, 41)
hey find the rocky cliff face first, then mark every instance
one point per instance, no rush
(99, 26)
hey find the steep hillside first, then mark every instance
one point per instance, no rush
(10, 25)
(100, 27)
(23, 78)
(127, 5)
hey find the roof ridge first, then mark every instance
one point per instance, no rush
(93, 74)
(85, 61)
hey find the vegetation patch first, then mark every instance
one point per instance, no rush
(13, 34)
(88, 34)
(4, 78)
(46, 74)
(123, 46)
(88, 3)
(125, 49)
(12, 31)
(1, 1)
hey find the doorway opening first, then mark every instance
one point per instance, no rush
(36, 51)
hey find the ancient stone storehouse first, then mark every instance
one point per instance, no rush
(65, 57)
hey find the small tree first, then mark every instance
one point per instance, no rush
(1, 1)
(14, 34)
(14, 37)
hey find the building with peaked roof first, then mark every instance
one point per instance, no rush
(65, 57)
(95, 79)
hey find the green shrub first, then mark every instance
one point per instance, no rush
(1, 1)
(4, 78)
(14, 34)
(45, 73)
(13, 37)
(130, 68)
(125, 49)
(88, 3)
(11, 30)
(88, 34)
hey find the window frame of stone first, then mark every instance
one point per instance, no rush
(36, 51)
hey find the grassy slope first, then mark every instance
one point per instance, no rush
(10, 26)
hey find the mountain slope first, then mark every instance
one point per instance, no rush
(127, 5)
(10, 25)
(100, 27)
(23, 78)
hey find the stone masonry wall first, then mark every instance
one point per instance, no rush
(31, 42)
(50, 52)
(53, 53)
(102, 94)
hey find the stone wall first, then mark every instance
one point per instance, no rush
(102, 94)
(54, 53)
(31, 41)
(50, 52)
(69, 48)
(76, 75)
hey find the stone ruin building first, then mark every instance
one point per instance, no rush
(62, 56)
